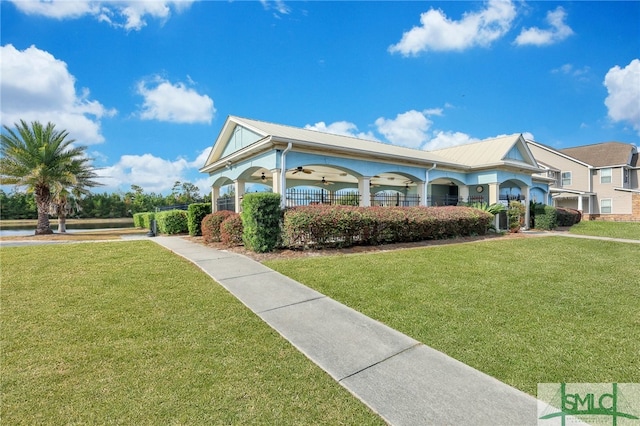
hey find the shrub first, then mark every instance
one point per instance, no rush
(515, 213)
(172, 222)
(143, 220)
(195, 213)
(138, 221)
(210, 225)
(568, 217)
(343, 226)
(261, 218)
(544, 217)
(231, 230)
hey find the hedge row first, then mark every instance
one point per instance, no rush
(143, 220)
(344, 226)
(549, 217)
(195, 213)
(172, 222)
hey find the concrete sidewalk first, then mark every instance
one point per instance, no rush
(404, 381)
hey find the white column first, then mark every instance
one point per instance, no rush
(215, 194)
(527, 212)
(275, 181)
(580, 202)
(463, 192)
(421, 190)
(365, 191)
(239, 188)
(494, 196)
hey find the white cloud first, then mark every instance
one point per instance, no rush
(35, 86)
(278, 5)
(175, 103)
(343, 128)
(130, 15)
(438, 32)
(443, 140)
(407, 129)
(541, 37)
(623, 101)
(142, 170)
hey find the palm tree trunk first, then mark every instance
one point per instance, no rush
(62, 222)
(43, 198)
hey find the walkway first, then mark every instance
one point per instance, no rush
(404, 381)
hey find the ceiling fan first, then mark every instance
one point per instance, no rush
(262, 178)
(325, 182)
(302, 169)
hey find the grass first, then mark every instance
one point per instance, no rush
(127, 333)
(626, 230)
(526, 311)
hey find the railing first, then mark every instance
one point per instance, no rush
(226, 203)
(306, 197)
(174, 207)
(395, 200)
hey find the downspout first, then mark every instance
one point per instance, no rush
(283, 180)
(426, 185)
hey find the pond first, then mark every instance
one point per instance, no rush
(9, 229)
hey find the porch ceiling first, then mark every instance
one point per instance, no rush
(314, 175)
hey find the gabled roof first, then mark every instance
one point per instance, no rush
(603, 154)
(311, 138)
(492, 152)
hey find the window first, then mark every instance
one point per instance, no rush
(605, 176)
(626, 175)
(605, 206)
(566, 178)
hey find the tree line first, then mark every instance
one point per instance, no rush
(22, 205)
(57, 175)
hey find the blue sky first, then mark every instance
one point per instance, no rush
(147, 85)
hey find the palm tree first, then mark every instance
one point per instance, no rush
(44, 160)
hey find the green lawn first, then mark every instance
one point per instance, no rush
(526, 311)
(127, 333)
(627, 230)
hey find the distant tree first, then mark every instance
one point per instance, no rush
(43, 160)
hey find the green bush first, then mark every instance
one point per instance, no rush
(515, 214)
(138, 220)
(261, 219)
(544, 217)
(211, 225)
(172, 222)
(344, 226)
(195, 213)
(568, 217)
(231, 230)
(143, 220)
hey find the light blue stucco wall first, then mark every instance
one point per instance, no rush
(241, 138)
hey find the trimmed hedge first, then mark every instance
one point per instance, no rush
(344, 226)
(544, 217)
(231, 230)
(172, 222)
(210, 225)
(143, 220)
(261, 219)
(568, 217)
(195, 213)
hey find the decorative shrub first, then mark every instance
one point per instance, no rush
(143, 220)
(231, 230)
(172, 222)
(344, 226)
(544, 217)
(210, 225)
(515, 214)
(195, 213)
(138, 221)
(568, 217)
(261, 218)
